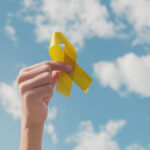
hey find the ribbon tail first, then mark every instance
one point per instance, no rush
(81, 78)
(64, 84)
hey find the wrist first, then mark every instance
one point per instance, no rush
(27, 124)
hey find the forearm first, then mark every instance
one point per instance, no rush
(31, 137)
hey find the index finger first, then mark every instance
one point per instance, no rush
(53, 65)
(57, 66)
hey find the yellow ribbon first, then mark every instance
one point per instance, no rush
(68, 56)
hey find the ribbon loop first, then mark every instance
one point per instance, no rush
(68, 56)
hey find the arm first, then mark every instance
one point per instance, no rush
(36, 85)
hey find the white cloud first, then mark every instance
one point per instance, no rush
(78, 19)
(10, 32)
(88, 139)
(9, 29)
(84, 19)
(136, 12)
(130, 71)
(135, 147)
(9, 98)
(49, 127)
(28, 3)
(52, 113)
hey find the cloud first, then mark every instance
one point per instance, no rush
(52, 113)
(85, 19)
(130, 71)
(9, 29)
(9, 98)
(79, 19)
(87, 138)
(10, 32)
(28, 3)
(103, 139)
(49, 127)
(136, 12)
(135, 147)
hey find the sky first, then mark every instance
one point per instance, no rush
(112, 40)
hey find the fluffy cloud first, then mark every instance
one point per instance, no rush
(49, 127)
(28, 3)
(52, 113)
(9, 98)
(130, 71)
(135, 147)
(9, 29)
(78, 19)
(87, 138)
(84, 19)
(10, 32)
(136, 12)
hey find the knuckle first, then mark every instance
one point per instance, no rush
(22, 87)
(46, 62)
(47, 68)
(19, 78)
(47, 76)
(22, 70)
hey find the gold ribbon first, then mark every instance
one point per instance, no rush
(68, 56)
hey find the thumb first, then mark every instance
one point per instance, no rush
(55, 75)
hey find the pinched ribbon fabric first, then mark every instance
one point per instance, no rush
(68, 56)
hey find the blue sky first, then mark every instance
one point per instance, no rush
(113, 43)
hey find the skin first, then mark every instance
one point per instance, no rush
(36, 85)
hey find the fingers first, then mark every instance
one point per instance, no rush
(38, 81)
(35, 70)
(54, 66)
(32, 67)
(41, 93)
(39, 75)
(26, 75)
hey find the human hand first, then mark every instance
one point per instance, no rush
(36, 85)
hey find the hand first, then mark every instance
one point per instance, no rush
(36, 85)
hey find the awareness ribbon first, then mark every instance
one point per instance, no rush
(68, 56)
